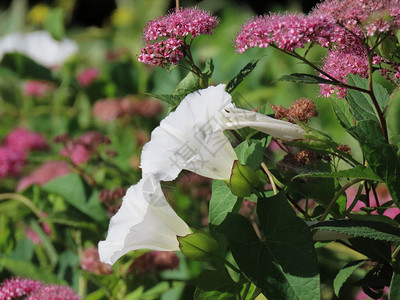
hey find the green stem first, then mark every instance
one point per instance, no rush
(353, 204)
(256, 292)
(337, 195)
(24, 200)
(246, 291)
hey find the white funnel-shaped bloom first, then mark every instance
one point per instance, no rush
(39, 46)
(144, 221)
(236, 118)
(191, 138)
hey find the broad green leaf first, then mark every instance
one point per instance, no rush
(359, 228)
(243, 73)
(373, 249)
(54, 23)
(382, 157)
(25, 67)
(360, 172)
(221, 203)
(283, 264)
(7, 234)
(304, 78)
(344, 274)
(250, 152)
(172, 99)
(72, 189)
(393, 117)
(394, 293)
(188, 85)
(342, 112)
(216, 285)
(26, 269)
(360, 103)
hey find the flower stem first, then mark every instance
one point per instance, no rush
(270, 177)
(246, 290)
(24, 200)
(337, 195)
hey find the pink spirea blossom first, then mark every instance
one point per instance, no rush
(170, 32)
(155, 261)
(186, 21)
(90, 262)
(44, 173)
(87, 76)
(53, 292)
(162, 53)
(11, 161)
(14, 288)
(363, 296)
(36, 88)
(24, 140)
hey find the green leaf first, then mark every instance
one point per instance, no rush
(358, 228)
(393, 117)
(394, 293)
(222, 201)
(46, 243)
(243, 73)
(344, 274)
(188, 85)
(25, 67)
(26, 269)
(342, 112)
(304, 78)
(250, 152)
(360, 172)
(283, 264)
(54, 23)
(382, 157)
(216, 285)
(72, 189)
(361, 106)
(172, 99)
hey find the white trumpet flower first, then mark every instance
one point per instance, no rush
(144, 221)
(39, 46)
(191, 138)
(236, 118)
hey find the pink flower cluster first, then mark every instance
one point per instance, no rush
(155, 262)
(14, 149)
(37, 88)
(90, 262)
(15, 288)
(172, 29)
(87, 76)
(81, 149)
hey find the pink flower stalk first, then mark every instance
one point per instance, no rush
(53, 292)
(87, 76)
(44, 173)
(24, 140)
(186, 21)
(11, 161)
(90, 262)
(162, 53)
(155, 262)
(171, 32)
(14, 288)
(33, 237)
(81, 149)
(36, 88)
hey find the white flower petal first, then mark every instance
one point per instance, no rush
(178, 141)
(236, 118)
(39, 46)
(144, 221)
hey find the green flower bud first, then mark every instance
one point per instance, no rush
(243, 180)
(198, 246)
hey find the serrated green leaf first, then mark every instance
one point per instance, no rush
(358, 228)
(189, 84)
(172, 100)
(394, 293)
(393, 117)
(382, 157)
(222, 201)
(26, 68)
(72, 189)
(283, 264)
(342, 112)
(304, 78)
(361, 106)
(344, 274)
(360, 172)
(243, 73)
(216, 285)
